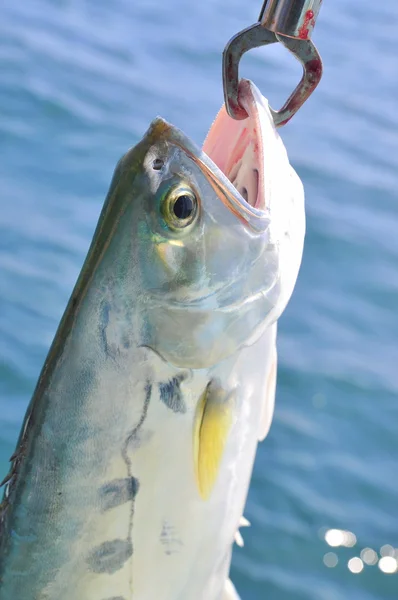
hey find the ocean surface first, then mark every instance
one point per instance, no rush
(80, 80)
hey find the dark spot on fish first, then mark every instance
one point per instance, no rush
(118, 492)
(171, 395)
(116, 598)
(109, 557)
(157, 164)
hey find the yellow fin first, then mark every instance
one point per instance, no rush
(212, 424)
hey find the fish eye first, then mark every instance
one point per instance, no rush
(184, 206)
(180, 207)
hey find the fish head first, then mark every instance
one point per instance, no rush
(217, 234)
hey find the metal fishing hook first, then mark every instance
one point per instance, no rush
(289, 22)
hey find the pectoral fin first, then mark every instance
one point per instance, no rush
(212, 424)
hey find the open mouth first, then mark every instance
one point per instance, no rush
(236, 147)
(241, 150)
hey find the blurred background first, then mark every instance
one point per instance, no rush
(80, 80)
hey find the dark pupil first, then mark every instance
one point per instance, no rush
(183, 207)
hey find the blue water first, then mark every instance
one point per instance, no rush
(79, 83)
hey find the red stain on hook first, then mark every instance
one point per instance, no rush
(313, 74)
(309, 20)
(314, 70)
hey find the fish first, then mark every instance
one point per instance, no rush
(133, 464)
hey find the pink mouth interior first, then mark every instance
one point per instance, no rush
(236, 148)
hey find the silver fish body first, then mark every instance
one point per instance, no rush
(135, 457)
